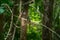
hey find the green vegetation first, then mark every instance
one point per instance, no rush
(29, 20)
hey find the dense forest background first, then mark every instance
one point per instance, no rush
(29, 19)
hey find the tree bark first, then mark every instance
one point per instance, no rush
(24, 15)
(47, 19)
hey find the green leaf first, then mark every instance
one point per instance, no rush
(1, 10)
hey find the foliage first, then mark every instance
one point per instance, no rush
(1, 10)
(35, 11)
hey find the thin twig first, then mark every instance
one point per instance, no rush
(5, 25)
(11, 20)
(16, 26)
(17, 20)
(10, 27)
(51, 30)
(14, 33)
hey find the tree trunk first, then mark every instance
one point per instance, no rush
(47, 19)
(24, 15)
(1, 27)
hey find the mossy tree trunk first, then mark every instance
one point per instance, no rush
(47, 19)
